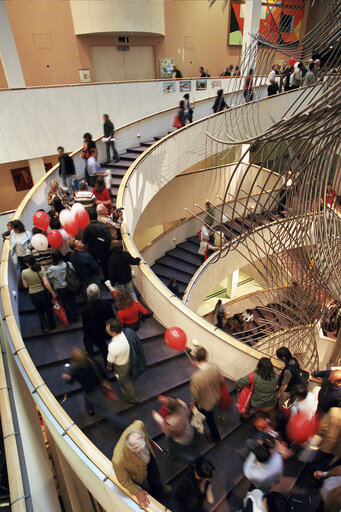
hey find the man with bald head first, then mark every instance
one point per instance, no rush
(330, 392)
(102, 216)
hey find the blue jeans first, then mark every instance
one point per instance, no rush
(67, 182)
(95, 399)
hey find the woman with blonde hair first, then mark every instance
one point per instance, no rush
(56, 197)
(130, 312)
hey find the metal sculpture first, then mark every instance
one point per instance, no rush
(299, 262)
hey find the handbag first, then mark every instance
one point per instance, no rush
(197, 420)
(225, 400)
(60, 311)
(244, 396)
(73, 282)
(177, 123)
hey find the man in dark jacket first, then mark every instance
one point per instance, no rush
(85, 266)
(138, 363)
(195, 486)
(97, 238)
(66, 169)
(94, 317)
(330, 392)
(119, 267)
(108, 129)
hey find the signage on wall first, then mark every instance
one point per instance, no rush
(185, 85)
(168, 87)
(22, 178)
(201, 85)
(84, 75)
(166, 67)
(216, 84)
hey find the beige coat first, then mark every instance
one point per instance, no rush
(330, 431)
(205, 386)
(129, 468)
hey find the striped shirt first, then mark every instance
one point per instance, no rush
(44, 258)
(86, 198)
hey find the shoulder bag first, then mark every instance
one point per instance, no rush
(244, 396)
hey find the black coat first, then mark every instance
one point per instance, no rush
(219, 104)
(119, 266)
(138, 363)
(94, 315)
(69, 165)
(188, 494)
(97, 237)
(328, 396)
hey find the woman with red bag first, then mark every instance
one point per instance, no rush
(257, 390)
(180, 118)
(88, 145)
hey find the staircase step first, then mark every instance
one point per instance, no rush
(182, 287)
(129, 155)
(172, 262)
(181, 277)
(181, 254)
(137, 150)
(189, 247)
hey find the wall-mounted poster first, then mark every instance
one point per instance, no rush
(168, 87)
(216, 84)
(166, 67)
(185, 85)
(201, 85)
(279, 22)
(84, 75)
(22, 178)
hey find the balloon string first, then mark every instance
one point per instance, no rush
(189, 357)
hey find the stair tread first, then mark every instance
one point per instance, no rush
(179, 253)
(173, 262)
(181, 277)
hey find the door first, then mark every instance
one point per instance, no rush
(111, 64)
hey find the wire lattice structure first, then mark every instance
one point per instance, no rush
(289, 225)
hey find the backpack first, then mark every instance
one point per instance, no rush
(298, 375)
(73, 282)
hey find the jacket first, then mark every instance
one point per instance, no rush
(188, 493)
(130, 470)
(138, 364)
(94, 315)
(97, 237)
(13, 242)
(84, 264)
(328, 396)
(219, 104)
(119, 266)
(264, 391)
(330, 431)
(205, 386)
(68, 164)
(132, 314)
(108, 128)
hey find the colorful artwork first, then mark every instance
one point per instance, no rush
(166, 67)
(185, 85)
(168, 87)
(201, 85)
(216, 84)
(280, 22)
(22, 178)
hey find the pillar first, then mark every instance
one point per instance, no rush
(8, 52)
(232, 283)
(251, 26)
(37, 168)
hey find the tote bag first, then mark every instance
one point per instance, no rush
(225, 401)
(60, 311)
(244, 396)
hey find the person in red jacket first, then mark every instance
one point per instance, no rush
(128, 310)
(102, 194)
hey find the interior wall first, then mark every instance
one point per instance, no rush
(10, 198)
(3, 79)
(51, 53)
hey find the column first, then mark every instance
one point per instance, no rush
(232, 283)
(8, 52)
(251, 26)
(37, 168)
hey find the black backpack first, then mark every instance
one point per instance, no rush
(298, 375)
(73, 282)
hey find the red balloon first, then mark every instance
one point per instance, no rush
(300, 428)
(71, 228)
(292, 61)
(176, 338)
(54, 238)
(82, 218)
(41, 220)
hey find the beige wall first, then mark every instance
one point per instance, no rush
(10, 198)
(51, 53)
(3, 80)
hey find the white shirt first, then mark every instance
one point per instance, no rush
(271, 77)
(307, 406)
(263, 472)
(20, 248)
(119, 350)
(93, 166)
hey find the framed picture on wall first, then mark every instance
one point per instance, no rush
(201, 85)
(84, 75)
(22, 178)
(168, 87)
(48, 166)
(185, 85)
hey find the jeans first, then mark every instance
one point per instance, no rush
(67, 182)
(111, 144)
(124, 380)
(129, 286)
(211, 424)
(95, 399)
(69, 303)
(42, 301)
(179, 451)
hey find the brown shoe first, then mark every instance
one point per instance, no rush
(166, 489)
